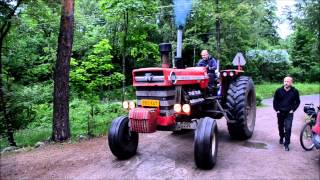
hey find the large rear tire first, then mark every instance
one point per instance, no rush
(123, 143)
(241, 103)
(206, 143)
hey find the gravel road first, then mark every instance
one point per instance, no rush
(163, 155)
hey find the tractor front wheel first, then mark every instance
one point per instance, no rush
(241, 104)
(123, 143)
(206, 143)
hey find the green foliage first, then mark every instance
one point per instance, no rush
(80, 111)
(137, 33)
(22, 103)
(116, 94)
(304, 43)
(263, 65)
(242, 28)
(94, 72)
(28, 137)
(297, 73)
(106, 31)
(258, 99)
(31, 44)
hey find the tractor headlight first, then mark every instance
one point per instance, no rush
(186, 108)
(132, 104)
(177, 108)
(125, 104)
(224, 74)
(231, 73)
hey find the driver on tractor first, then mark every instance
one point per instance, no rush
(211, 64)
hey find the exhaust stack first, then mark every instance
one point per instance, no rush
(178, 59)
(179, 42)
(165, 49)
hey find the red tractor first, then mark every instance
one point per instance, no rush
(174, 99)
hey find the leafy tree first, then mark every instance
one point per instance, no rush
(8, 9)
(137, 33)
(242, 27)
(95, 73)
(113, 37)
(267, 65)
(305, 48)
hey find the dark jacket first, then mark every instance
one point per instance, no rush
(211, 63)
(286, 101)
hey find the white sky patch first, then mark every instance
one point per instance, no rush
(284, 28)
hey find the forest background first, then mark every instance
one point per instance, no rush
(110, 35)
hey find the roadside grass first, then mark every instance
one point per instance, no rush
(27, 137)
(104, 113)
(266, 90)
(82, 124)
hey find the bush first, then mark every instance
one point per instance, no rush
(297, 73)
(22, 103)
(116, 94)
(259, 99)
(94, 119)
(82, 121)
(28, 137)
(267, 65)
(314, 74)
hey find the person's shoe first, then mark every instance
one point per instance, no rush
(286, 147)
(281, 141)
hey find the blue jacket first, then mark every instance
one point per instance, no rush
(211, 63)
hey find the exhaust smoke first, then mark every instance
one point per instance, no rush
(182, 9)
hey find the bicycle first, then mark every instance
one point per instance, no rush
(306, 133)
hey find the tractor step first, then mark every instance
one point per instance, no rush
(213, 97)
(212, 111)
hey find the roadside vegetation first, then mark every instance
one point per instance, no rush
(89, 121)
(266, 90)
(111, 38)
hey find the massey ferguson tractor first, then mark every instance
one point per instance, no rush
(175, 99)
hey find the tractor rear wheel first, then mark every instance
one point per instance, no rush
(241, 103)
(123, 143)
(206, 143)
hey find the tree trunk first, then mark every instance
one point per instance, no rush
(218, 26)
(124, 50)
(61, 128)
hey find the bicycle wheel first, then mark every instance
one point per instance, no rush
(306, 137)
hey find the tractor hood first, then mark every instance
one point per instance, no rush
(170, 76)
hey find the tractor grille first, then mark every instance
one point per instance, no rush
(150, 77)
(166, 96)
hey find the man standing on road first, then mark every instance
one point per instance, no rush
(286, 100)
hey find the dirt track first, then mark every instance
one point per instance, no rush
(162, 155)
